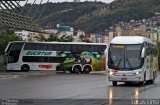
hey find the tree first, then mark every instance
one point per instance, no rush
(63, 38)
(53, 37)
(41, 38)
(5, 38)
(66, 38)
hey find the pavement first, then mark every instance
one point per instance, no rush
(15, 74)
(73, 89)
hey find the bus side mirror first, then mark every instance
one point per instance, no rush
(143, 54)
(106, 52)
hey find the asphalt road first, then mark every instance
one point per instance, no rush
(43, 87)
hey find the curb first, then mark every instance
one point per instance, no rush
(98, 72)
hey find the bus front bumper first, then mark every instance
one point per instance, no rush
(133, 78)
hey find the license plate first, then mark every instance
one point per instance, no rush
(123, 78)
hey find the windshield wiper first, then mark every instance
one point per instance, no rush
(128, 63)
(119, 63)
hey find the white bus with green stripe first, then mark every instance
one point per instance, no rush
(26, 56)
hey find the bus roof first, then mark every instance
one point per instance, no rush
(84, 43)
(130, 40)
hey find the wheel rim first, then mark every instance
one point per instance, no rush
(77, 70)
(25, 68)
(87, 69)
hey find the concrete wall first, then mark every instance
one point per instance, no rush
(1, 58)
(1, 63)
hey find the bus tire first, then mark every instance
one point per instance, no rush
(25, 68)
(76, 69)
(144, 81)
(71, 71)
(87, 69)
(114, 83)
(58, 68)
(154, 77)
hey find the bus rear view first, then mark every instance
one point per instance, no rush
(132, 59)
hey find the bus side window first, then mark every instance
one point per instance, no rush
(41, 46)
(65, 47)
(30, 46)
(53, 47)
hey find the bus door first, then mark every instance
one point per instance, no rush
(5, 59)
(14, 52)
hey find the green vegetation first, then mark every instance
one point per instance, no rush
(63, 38)
(92, 16)
(5, 38)
(54, 37)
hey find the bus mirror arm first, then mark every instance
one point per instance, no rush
(106, 52)
(143, 53)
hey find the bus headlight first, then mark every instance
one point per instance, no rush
(112, 72)
(138, 72)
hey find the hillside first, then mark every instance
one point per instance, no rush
(92, 16)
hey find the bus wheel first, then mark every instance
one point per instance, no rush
(87, 69)
(144, 81)
(25, 68)
(76, 69)
(70, 70)
(114, 83)
(154, 77)
(58, 68)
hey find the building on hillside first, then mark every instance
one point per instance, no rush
(76, 1)
(49, 32)
(113, 32)
(27, 35)
(129, 29)
(102, 38)
(93, 38)
(140, 30)
(88, 37)
(78, 36)
(155, 36)
(64, 30)
(105, 39)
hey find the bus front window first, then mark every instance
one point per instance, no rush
(124, 57)
(116, 56)
(132, 56)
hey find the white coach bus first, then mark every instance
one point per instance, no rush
(60, 56)
(132, 59)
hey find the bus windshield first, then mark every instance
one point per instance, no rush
(124, 57)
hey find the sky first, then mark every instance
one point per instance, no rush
(44, 1)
